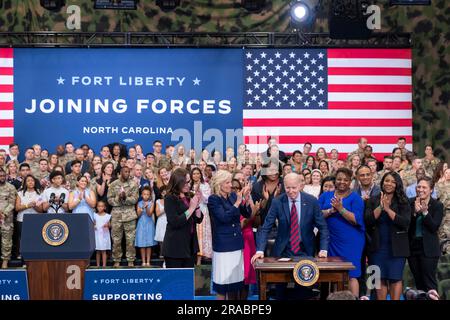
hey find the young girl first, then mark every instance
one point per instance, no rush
(102, 236)
(145, 230)
(161, 223)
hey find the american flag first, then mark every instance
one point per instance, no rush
(328, 97)
(6, 98)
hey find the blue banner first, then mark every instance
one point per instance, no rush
(135, 284)
(131, 96)
(13, 285)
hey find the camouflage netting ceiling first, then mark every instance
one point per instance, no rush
(429, 26)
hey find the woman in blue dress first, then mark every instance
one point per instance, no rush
(344, 211)
(145, 230)
(82, 199)
(387, 219)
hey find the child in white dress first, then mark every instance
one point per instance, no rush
(161, 222)
(102, 234)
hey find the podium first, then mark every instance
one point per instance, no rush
(271, 270)
(57, 249)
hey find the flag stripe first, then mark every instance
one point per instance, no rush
(370, 53)
(6, 53)
(6, 62)
(327, 139)
(6, 141)
(6, 105)
(6, 97)
(369, 63)
(370, 71)
(326, 131)
(370, 96)
(329, 122)
(6, 71)
(384, 80)
(355, 105)
(6, 88)
(5, 123)
(6, 132)
(368, 88)
(342, 148)
(325, 114)
(6, 79)
(6, 114)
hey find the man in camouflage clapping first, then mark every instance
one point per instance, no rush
(123, 195)
(7, 202)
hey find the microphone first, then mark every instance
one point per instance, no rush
(52, 198)
(62, 198)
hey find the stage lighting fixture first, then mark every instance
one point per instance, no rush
(303, 12)
(53, 5)
(115, 4)
(166, 5)
(253, 5)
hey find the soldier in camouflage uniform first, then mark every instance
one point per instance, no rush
(71, 179)
(7, 203)
(430, 162)
(29, 158)
(362, 143)
(387, 167)
(443, 190)
(409, 176)
(123, 194)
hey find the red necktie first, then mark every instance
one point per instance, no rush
(295, 230)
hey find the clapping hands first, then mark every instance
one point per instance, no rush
(336, 202)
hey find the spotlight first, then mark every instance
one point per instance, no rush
(303, 12)
(53, 5)
(253, 5)
(167, 5)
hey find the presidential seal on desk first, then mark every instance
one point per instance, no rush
(306, 273)
(55, 232)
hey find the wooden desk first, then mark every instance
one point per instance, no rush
(331, 269)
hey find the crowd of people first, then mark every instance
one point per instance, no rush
(193, 207)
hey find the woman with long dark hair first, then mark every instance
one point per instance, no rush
(28, 201)
(387, 218)
(423, 235)
(203, 229)
(102, 183)
(180, 241)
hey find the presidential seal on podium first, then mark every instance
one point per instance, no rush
(55, 232)
(306, 273)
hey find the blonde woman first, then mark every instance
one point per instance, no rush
(225, 208)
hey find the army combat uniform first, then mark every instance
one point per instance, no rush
(8, 195)
(443, 190)
(430, 165)
(123, 217)
(408, 177)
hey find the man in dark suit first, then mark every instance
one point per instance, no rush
(298, 214)
(85, 164)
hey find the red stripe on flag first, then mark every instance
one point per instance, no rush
(369, 71)
(370, 53)
(327, 123)
(6, 123)
(6, 105)
(6, 88)
(368, 88)
(6, 53)
(6, 140)
(6, 71)
(344, 105)
(328, 139)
